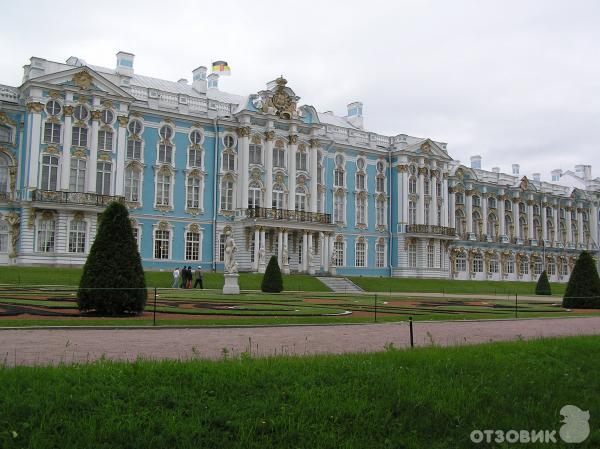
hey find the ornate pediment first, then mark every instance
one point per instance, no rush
(278, 100)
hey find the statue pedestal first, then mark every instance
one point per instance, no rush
(311, 270)
(262, 267)
(286, 269)
(231, 286)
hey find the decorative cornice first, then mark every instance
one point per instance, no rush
(35, 107)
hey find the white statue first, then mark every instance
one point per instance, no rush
(311, 257)
(231, 265)
(284, 255)
(261, 256)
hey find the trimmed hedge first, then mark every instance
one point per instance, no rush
(272, 281)
(583, 289)
(543, 286)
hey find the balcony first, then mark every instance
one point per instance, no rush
(74, 198)
(430, 229)
(283, 214)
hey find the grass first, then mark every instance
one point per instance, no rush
(422, 398)
(383, 284)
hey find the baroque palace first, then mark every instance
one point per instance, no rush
(193, 163)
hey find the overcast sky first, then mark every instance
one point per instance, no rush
(513, 81)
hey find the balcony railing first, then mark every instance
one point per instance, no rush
(80, 198)
(430, 229)
(283, 214)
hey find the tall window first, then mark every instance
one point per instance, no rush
(380, 254)
(461, 262)
(222, 240)
(79, 136)
(45, 235)
(438, 189)
(193, 192)
(360, 181)
(278, 157)
(359, 259)
(493, 264)
(132, 184)
(338, 178)
(195, 157)
(412, 212)
(476, 201)
(523, 265)
(192, 246)
(278, 197)
(254, 195)
(5, 164)
(227, 195)
(361, 209)
(134, 149)
(163, 189)
(5, 134)
(3, 236)
(510, 265)
(412, 255)
(412, 185)
(103, 172)
(255, 154)
(426, 184)
(228, 161)
(338, 254)
(380, 211)
(380, 184)
(339, 212)
(77, 230)
(77, 179)
(161, 244)
(430, 255)
(460, 198)
(52, 133)
(300, 199)
(477, 263)
(165, 154)
(537, 266)
(49, 172)
(427, 212)
(105, 140)
(301, 160)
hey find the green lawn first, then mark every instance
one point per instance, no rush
(383, 284)
(422, 398)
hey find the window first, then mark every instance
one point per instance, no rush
(4, 173)
(551, 267)
(301, 163)
(51, 133)
(3, 237)
(196, 137)
(476, 201)
(359, 259)
(135, 127)
(277, 200)
(80, 112)
(79, 136)
(77, 236)
(564, 268)
(427, 210)
(361, 210)
(77, 179)
(536, 209)
(507, 206)
(523, 266)
(49, 172)
(5, 134)
(227, 195)
(229, 141)
(477, 263)
(195, 157)
(161, 244)
(438, 189)
(412, 255)
(134, 149)
(278, 157)
(103, 173)
(360, 163)
(380, 212)
(412, 185)
(222, 239)
(165, 153)
(510, 265)
(338, 254)
(521, 208)
(45, 235)
(461, 262)
(338, 178)
(228, 162)
(412, 212)
(426, 185)
(132, 184)
(53, 107)
(380, 254)
(537, 266)
(166, 132)
(254, 195)
(163, 189)
(339, 160)
(493, 264)
(192, 246)
(321, 202)
(460, 198)
(107, 116)
(380, 184)
(339, 211)
(105, 140)
(255, 154)
(136, 236)
(300, 199)
(193, 192)
(430, 255)
(360, 181)
(319, 174)
(380, 166)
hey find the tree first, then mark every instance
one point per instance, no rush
(543, 286)
(272, 281)
(583, 289)
(113, 278)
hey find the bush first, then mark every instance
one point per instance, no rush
(543, 286)
(113, 278)
(583, 289)
(272, 281)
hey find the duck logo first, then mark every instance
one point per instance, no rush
(575, 427)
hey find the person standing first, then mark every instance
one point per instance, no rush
(190, 276)
(198, 275)
(175, 278)
(183, 277)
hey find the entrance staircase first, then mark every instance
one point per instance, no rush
(340, 284)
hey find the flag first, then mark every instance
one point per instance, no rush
(221, 68)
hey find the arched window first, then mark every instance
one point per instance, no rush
(380, 253)
(522, 228)
(339, 211)
(461, 261)
(278, 197)
(194, 192)
(521, 208)
(162, 244)
(338, 254)
(278, 157)
(77, 232)
(493, 264)
(300, 199)
(426, 185)
(192, 245)
(508, 226)
(412, 212)
(507, 206)
(361, 209)
(338, 177)
(476, 220)
(49, 172)
(77, 175)
(412, 185)
(253, 195)
(3, 236)
(491, 203)
(380, 212)
(460, 222)
(476, 201)
(492, 224)
(132, 184)
(537, 228)
(45, 235)
(412, 254)
(380, 184)
(523, 265)
(227, 195)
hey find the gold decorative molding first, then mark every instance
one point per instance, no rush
(83, 79)
(163, 226)
(123, 120)
(255, 140)
(293, 139)
(52, 150)
(422, 171)
(79, 153)
(269, 135)
(96, 115)
(107, 103)
(54, 94)
(279, 144)
(313, 143)
(243, 131)
(4, 119)
(68, 110)
(35, 107)
(402, 168)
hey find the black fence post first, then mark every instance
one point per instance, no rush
(375, 307)
(154, 315)
(410, 325)
(516, 306)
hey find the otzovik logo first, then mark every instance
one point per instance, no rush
(575, 429)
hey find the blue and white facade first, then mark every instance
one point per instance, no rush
(192, 163)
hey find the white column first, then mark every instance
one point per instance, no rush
(580, 225)
(544, 218)
(244, 147)
(285, 253)
(403, 197)
(469, 212)
(421, 200)
(293, 148)
(280, 247)
(433, 205)
(501, 213)
(121, 149)
(445, 201)
(516, 218)
(35, 122)
(65, 163)
(263, 248)
(313, 154)
(484, 213)
(93, 163)
(530, 220)
(594, 223)
(305, 251)
(322, 254)
(269, 135)
(556, 216)
(256, 247)
(451, 209)
(309, 253)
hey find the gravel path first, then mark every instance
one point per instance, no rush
(52, 346)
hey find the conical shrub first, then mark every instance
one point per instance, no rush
(583, 289)
(543, 286)
(272, 281)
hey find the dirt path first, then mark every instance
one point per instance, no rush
(51, 346)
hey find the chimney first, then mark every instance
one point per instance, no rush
(199, 79)
(476, 161)
(182, 81)
(585, 171)
(515, 169)
(496, 169)
(125, 63)
(537, 177)
(355, 116)
(213, 81)
(556, 174)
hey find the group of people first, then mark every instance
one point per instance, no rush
(187, 276)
